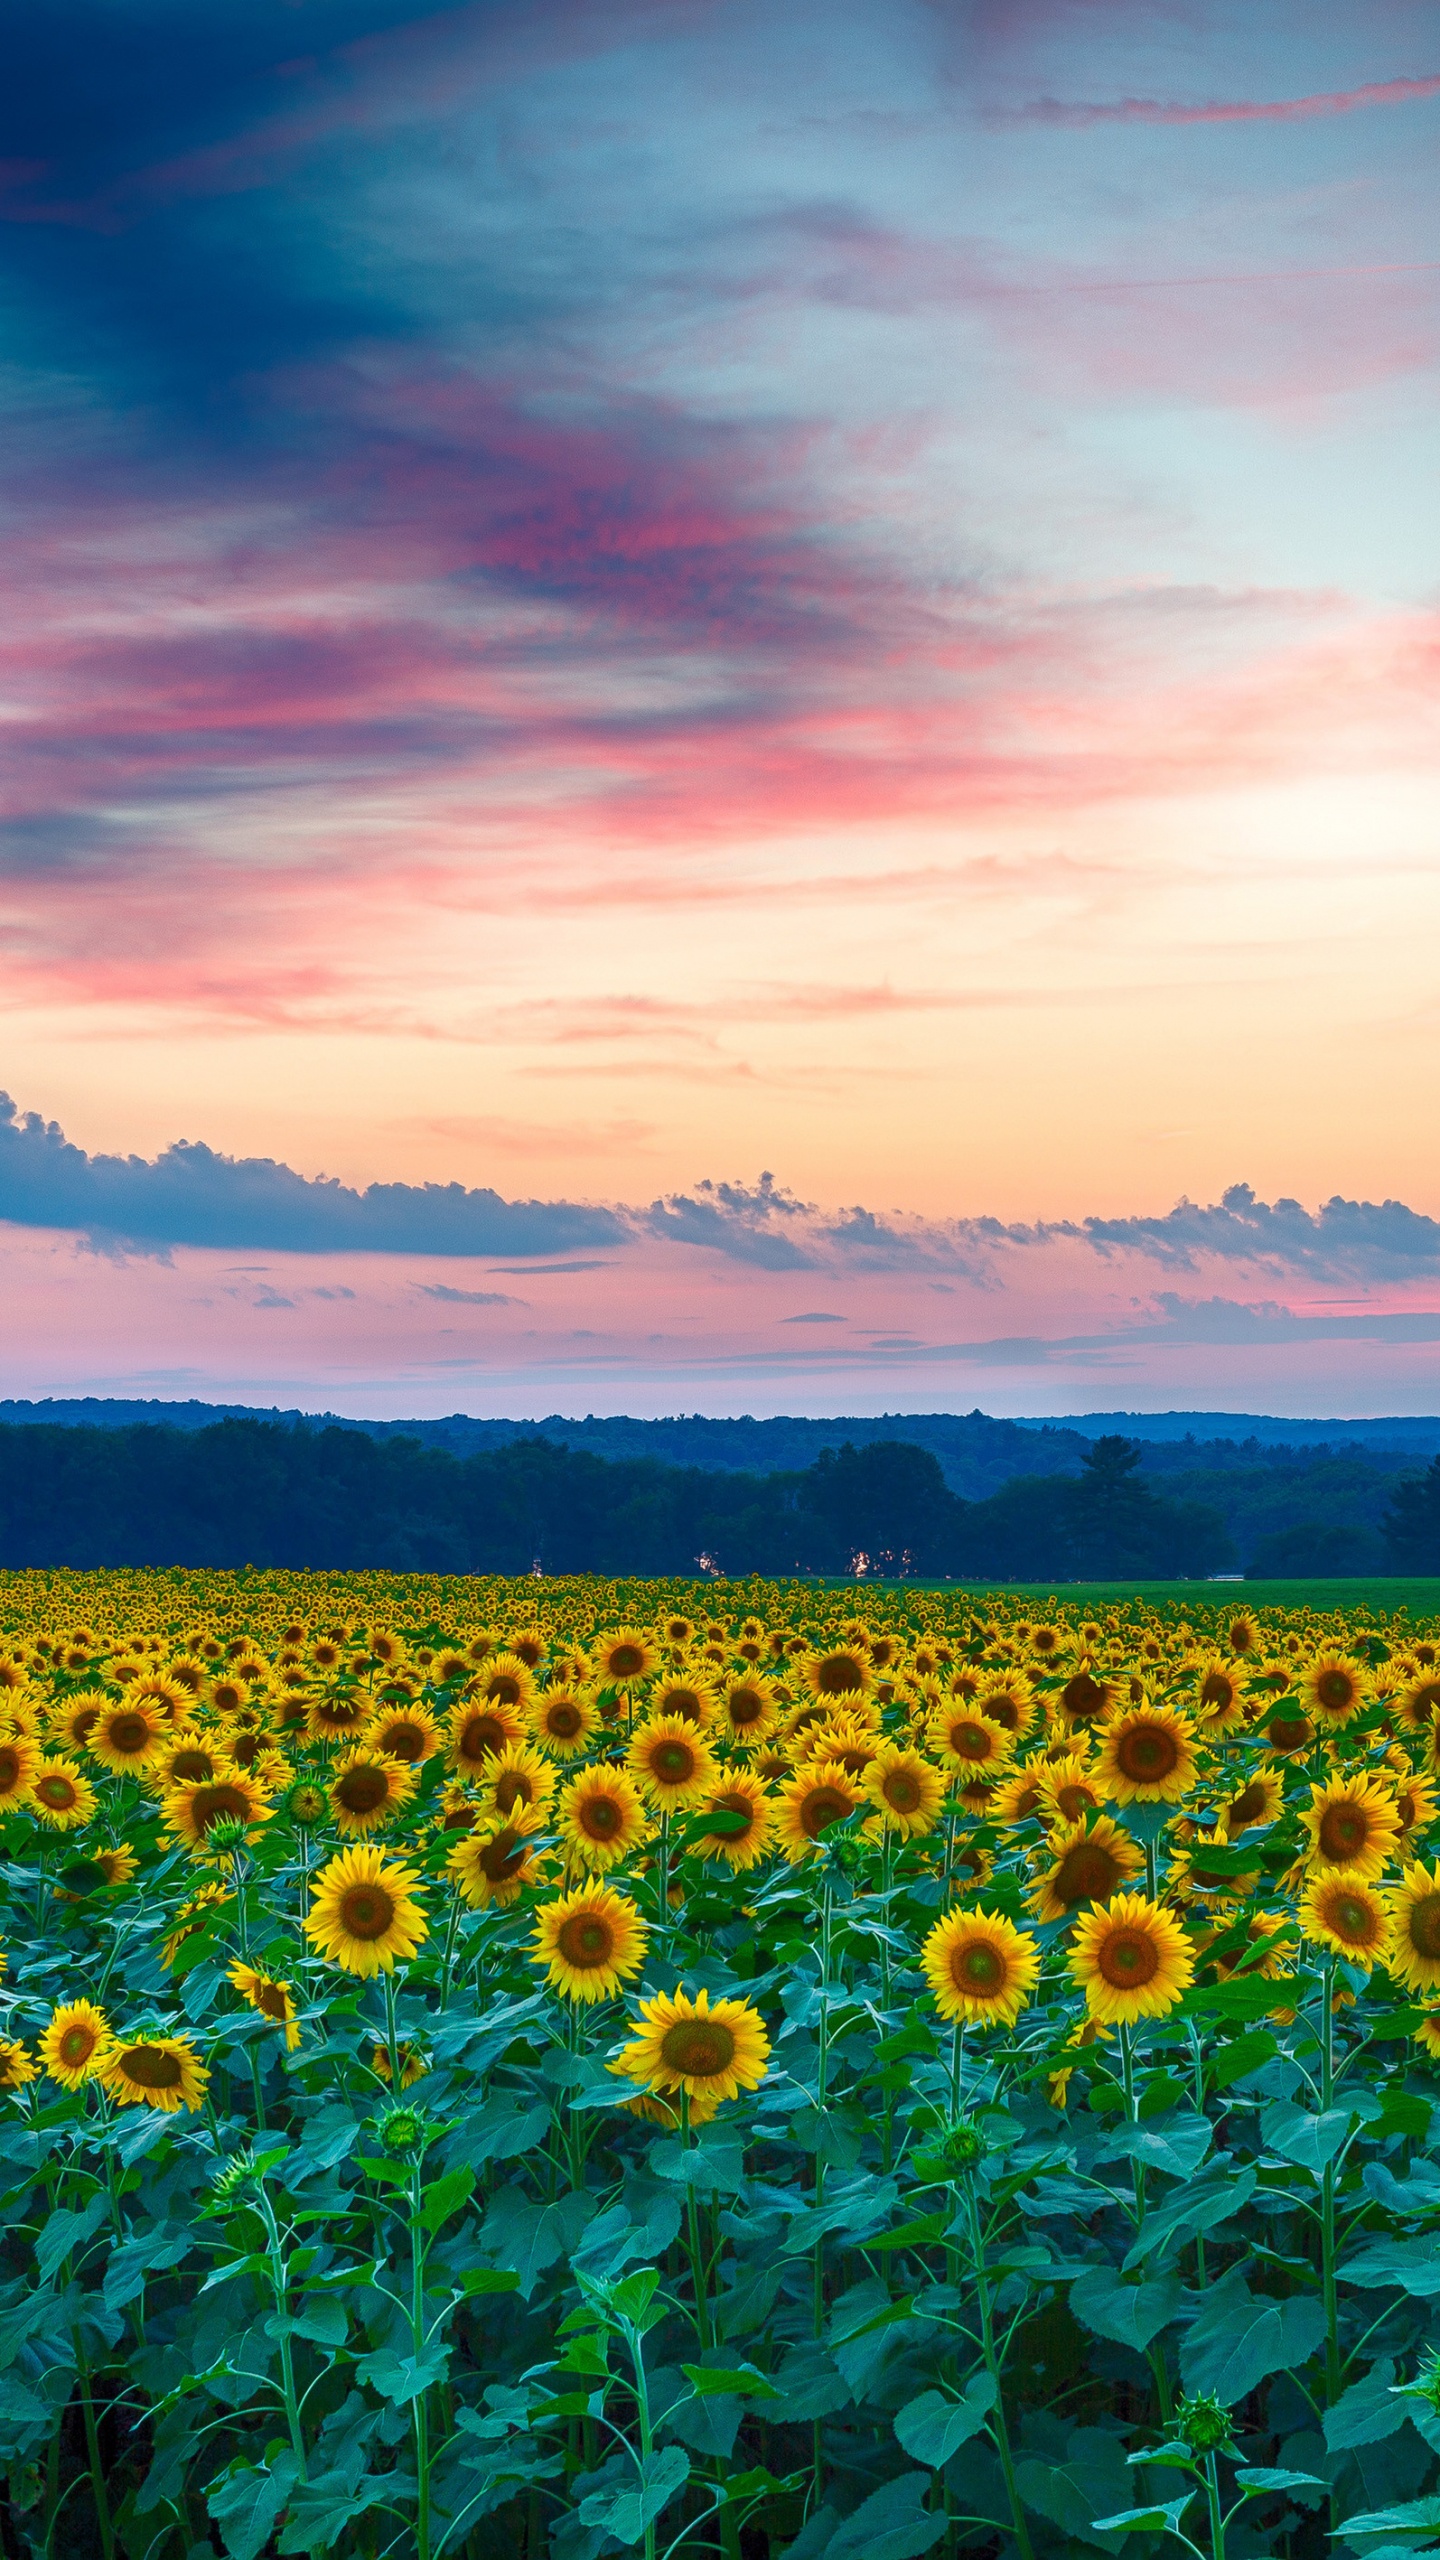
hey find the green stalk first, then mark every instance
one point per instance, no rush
(636, 2345)
(1212, 2499)
(391, 2037)
(280, 2287)
(704, 2334)
(1327, 2186)
(998, 2422)
(1155, 2354)
(421, 2402)
(822, 2090)
(92, 2447)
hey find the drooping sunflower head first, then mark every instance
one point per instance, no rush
(1341, 1909)
(494, 1862)
(821, 1794)
(563, 1718)
(1260, 1946)
(1259, 1801)
(270, 1998)
(1415, 1803)
(1088, 1864)
(1352, 1822)
(671, 1760)
(1070, 1787)
(364, 1914)
(708, 2050)
(906, 1790)
(1415, 1919)
(1132, 1960)
(60, 1797)
(164, 2072)
(1147, 1756)
(981, 1969)
(100, 1872)
(233, 1795)
(625, 1658)
(590, 1942)
(736, 1821)
(1288, 1732)
(1020, 1795)
(75, 2043)
(1334, 1689)
(333, 1715)
(367, 1791)
(187, 1760)
(601, 1818)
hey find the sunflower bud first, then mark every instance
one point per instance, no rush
(1204, 2423)
(402, 2133)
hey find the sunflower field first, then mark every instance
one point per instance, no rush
(541, 2071)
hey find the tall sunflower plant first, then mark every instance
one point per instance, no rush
(515, 2069)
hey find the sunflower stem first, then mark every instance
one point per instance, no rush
(280, 2287)
(92, 2447)
(1327, 2184)
(995, 2368)
(391, 2037)
(421, 2403)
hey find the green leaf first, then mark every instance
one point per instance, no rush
(67, 2231)
(894, 2524)
(1179, 2150)
(322, 2319)
(247, 2504)
(1248, 2053)
(626, 2513)
(127, 2267)
(910, 2235)
(1164, 2519)
(1418, 2515)
(1241, 1999)
(712, 2382)
(1309, 2140)
(1256, 2483)
(403, 2378)
(633, 2299)
(489, 2280)
(933, 2427)
(446, 2197)
(1411, 2266)
(1367, 2413)
(1188, 2211)
(321, 2509)
(1240, 2338)
(1132, 2314)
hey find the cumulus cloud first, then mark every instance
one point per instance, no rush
(190, 1195)
(1341, 1240)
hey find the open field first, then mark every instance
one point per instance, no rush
(573, 2068)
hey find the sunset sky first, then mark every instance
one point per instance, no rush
(797, 647)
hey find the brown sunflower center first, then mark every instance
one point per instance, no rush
(513, 1787)
(1026, 1801)
(682, 1702)
(366, 1910)
(1086, 1873)
(625, 1661)
(1351, 1919)
(403, 1741)
(901, 1790)
(58, 1793)
(270, 1999)
(362, 1790)
(1247, 1807)
(672, 1764)
(601, 1817)
(971, 1741)
(1128, 1959)
(150, 2067)
(1335, 1691)
(821, 1807)
(76, 2046)
(585, 1941)
(502, 1857)
(563, 1720)
(129, 1734)
(978, 1968)
(1002, 1710)
(1423, 1926)
(503, 1689)
(482, 1737)
(698, 2048)
(192, 1768)
(83, 1722)
(1074, 1797)
(840, 1675)
(1217, 1689)
(745, 1707)
(1147, 1753)
(1344, 1831)
(1288, 1733)
(220, 1803)
(9, 1768)
(1082, 1696)
(734, 1802)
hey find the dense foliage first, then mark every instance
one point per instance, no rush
(571, 2069)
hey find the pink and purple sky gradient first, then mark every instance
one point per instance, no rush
(606, 594)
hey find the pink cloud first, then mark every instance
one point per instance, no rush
(1330, 102)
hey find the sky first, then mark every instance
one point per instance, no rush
(725, 709)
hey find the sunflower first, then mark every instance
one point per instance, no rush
(75, 2043)
(1340, 1908)
(1415, 1918)
(972, 1863)
(1334, 1689)
(367, 1791)
(905, 1790)
(1352, 1823)
(386, 1649)
(188, 1760)
(362, 1916)
(845, 1671)
(1021, 1793)
(1069, 1788)
(1219, 1697)
(517, 1777)
(981, 1969)
(1287, 1731)
(155, 2071)
(413, 2064)
(1147, 1756)
(193, 1917)
(624, 1658)
(1132, 1960)
(494, 1862)
(749, 1709)
(563, 1719)
(820, 1794)
(63, 1800)
(1088, 1866)
(703, 2049)
(272, 1999)
(191, 1812)
(601, 1818)
(695, 1700)
(590, 1942)
(337, 1715)
(403, 1732)
(1242, 1635)
(1427, 2035)
(1011, 1703)
(70, 1726)
(740, 1799)
(97, 1873)
(19, 1765)
(478, 1730)
(969, 1743)
(1258, 1927)
(1087, 1695)
(1419, 1702)
(16, 2066)
(672, 1762)
(1260, 1801)
(1415, 1804)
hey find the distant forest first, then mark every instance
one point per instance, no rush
(243, 1491)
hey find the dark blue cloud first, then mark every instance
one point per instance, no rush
(192, 1196)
